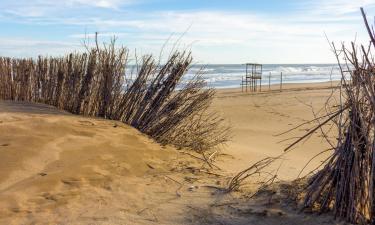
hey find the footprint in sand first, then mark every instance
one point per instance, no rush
(49, 196)
(85, 122)
(73, 182)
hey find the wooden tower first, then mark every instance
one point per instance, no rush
(252, 76)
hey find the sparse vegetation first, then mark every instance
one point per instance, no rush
(94, 84)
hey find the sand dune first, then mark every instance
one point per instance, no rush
(62, 169)
(57, 168)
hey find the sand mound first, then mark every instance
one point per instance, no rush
(63, 169)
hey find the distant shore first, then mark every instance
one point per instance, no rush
(230, 76)
(285, 87)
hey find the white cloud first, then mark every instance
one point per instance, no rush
(20, 47)
(47, 8)
(99, 3)
(340, 7)
(216, 36)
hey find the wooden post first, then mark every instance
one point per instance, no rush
(261, 73)
(242, 84)
(251, 79)
(269, 82)
(246, 78)
(254, 79)
(281, 81)
(246, 84)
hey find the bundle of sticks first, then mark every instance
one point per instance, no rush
(346, 183)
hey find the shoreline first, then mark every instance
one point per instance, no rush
(276, 86)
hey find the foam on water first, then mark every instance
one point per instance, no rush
(228, 76)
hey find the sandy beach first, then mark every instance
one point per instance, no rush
(122, 112)
(57, 168)
(257, 119)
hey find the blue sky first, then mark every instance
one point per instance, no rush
(221, 31)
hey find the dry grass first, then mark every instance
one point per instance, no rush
(94, 84)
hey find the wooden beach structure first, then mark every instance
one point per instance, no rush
(252, 78)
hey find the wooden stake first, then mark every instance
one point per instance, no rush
(269, 82)
(281, 81)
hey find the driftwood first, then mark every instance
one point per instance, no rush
(94, 84)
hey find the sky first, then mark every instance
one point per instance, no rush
(216, 31)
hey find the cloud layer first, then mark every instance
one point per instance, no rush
(294, 35)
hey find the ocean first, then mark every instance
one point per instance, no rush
(230, 75)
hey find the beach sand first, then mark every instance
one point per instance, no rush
(57, 168)
(258, 119)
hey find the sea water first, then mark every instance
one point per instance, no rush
(230, 75)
